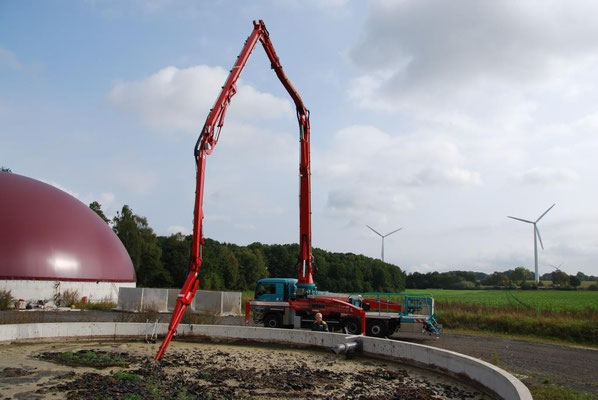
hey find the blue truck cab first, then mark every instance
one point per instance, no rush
(276, 289)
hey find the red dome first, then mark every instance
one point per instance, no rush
(48, 234)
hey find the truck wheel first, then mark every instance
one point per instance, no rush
(352, 325)
(376, 329)
(272, 321)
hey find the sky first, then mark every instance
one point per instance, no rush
(439, 117)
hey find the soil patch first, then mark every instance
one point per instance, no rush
(218, 371)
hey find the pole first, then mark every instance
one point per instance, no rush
(536, 254)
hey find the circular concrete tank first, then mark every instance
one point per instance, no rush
(49, 235)
(188, 364)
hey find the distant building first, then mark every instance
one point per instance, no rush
(51, 242)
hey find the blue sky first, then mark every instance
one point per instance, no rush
(441, 118)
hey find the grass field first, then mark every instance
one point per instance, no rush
(539, 300)
(570, 316)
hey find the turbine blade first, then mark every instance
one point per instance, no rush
(539, 237)
(396, 230)
(519, 219)
(545, 212)
(375, 231)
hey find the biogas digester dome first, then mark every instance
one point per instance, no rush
(51, 242)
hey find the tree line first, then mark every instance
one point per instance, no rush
(518, 277)
(163, 261)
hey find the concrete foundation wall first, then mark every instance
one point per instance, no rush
(496, 380)
(32, 290)
(164, 300)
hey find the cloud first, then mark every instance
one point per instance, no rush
(371, 173)
(548, 176)
(360, 206)
(136, 182)
(173, 229)
(372, 156)
(177, 100)
(9, 59)
(61, 187)
(421, 50)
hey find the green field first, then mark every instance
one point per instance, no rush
(540, 300)
(570, 316)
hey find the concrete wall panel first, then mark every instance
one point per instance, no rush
(129, 299)
(154, 300)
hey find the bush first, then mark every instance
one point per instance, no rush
(70, 297)
(6, 299)
(529, 286)
(593, 287)
(462, 285)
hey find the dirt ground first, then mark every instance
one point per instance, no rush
(569, 366)
(572, 367)
(215, 371)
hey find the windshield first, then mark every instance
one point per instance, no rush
(265, 288)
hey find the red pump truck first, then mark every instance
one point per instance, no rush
(301, 298)
(205, 145)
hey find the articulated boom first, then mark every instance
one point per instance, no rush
(205, 145)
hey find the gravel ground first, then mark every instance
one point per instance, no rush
(573, 367)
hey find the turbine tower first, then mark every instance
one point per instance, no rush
(536, 237)
(383, 236)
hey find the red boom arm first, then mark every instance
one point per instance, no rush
(205, 145)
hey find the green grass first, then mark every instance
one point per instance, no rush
(126, 376)
(91, 359)
(246, 295)
(540, 300)
(550, 391)
(569, 316)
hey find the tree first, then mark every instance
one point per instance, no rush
(5, 169)
(574, 281)
(559, 278)
(142, 245)
(521, 274)
(496, 279)
(97, 208)
(176, 250)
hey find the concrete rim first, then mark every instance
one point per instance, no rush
(493, 379)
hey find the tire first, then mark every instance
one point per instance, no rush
(377, 328)
(352, 326)
(273, 321)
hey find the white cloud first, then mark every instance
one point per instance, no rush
(426, 49)
(358, 206)
(9, 59)
(371, 174)
(178, 229)
(136, 182)
(61, 187)
(370, 155)
(177, 100)
(548, 176)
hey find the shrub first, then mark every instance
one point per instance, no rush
(6, 299)
(593, 287)
(529, 286)
(462, 285)
(70, 297)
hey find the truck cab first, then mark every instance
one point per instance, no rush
(276, 289)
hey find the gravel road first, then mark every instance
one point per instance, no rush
(569, 366)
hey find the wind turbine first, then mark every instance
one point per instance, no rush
(383, 236)
(536, 237)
